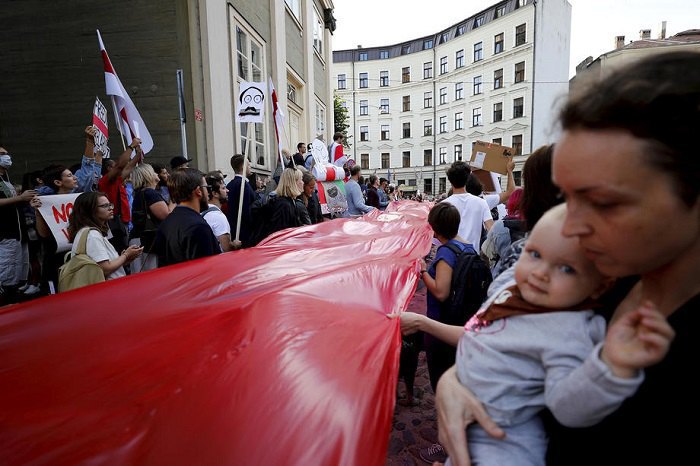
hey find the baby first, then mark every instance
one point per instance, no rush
(535, 343)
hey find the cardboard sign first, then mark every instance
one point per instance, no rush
(250, 106)
(490, 157)
(55, 210)
(486, 180)
(99, 121)
(331, 195)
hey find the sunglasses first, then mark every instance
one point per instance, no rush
(108, 206)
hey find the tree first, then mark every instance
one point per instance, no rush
(340, 119)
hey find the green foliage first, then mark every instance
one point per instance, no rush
(340, 119)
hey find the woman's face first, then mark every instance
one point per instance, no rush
(625, 212)
(300, 184)
(105, 209)
(68, 180)
(163, 175)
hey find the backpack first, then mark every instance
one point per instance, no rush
(80, 270)
(516, 228)
(471, 278)
(260, 213)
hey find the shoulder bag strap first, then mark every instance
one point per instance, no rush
(82, 244)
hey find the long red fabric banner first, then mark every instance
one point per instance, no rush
(278, 355)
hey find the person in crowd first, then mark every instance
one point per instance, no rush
(539, 195)
(234, 196)
(90, 214)
(147, 211)
(308, 158)
(474, 212)
(32, 286)
(218, 195)
(163, 177)
(179, 161)
(627, 166)
(382, 192)
(91, 167)
(353, 193)
(474, 186)
(112, 184)
(287, 210)
(299, 157)
(372, 194)
(14, 254)
(310, 198)
(184, 235)
(335, 151)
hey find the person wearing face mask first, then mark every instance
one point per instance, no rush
(14, 255)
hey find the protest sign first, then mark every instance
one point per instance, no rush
(250, 106)
(490, 157)
(99, 121)
(55, 210)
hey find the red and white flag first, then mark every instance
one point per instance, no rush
(279, 119)
(130, 120)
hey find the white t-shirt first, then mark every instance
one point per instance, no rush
(474, 212)
(218, 222)
(492, 200)
(99, 249)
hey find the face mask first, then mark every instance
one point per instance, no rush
(5, 161)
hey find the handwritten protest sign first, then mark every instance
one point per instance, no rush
(99, 121)
(55, 210)
(250, 107)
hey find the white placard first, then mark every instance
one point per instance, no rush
(250, 106)
(99, 121)
(55, 210)
(478, 161)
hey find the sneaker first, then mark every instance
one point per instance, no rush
(23, 287)
(433, 453)
(31, 289)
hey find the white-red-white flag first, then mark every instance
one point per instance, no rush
(279, 119)
(130, 122)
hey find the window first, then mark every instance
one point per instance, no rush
(385, 133)
(428, 186)
(520, 35)
(498, 79)
(443, 95)
(412, 182)
(443, 124)
(517, 177)
(477, 85)
(292, 93)
(427, 70)
(295, 8)
(458, 152)
(459, 91)
(320, 118)
(383, 54)
(405, 49)
(498, 43)
(318, 32)
(443, 184)
(478, 21)
(517, 144)
(384, 106)
(364, 110)
(459, 58)
(461, 30)
(341, 81)
(427, 157)
(518, 107)
(250, 62)
(443, 65)
(383, 78)
(428, 99)
(478, 51)
(443, 37)
(363, 56)
(520, 3)
(427, 127)
(407, 130)
(427, 44)
(406, 159)
(385, 160)
(459, 120)
(476, 116)
(406, 103)
(500, 11)
(498, 141)
(520, 72)
(363, 80)
(406, 74)
(364, 133)
(364, 161)
(443, 155)
(498, 112)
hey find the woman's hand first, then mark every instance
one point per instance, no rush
(410, 321)
(457, 407)
(132, 252)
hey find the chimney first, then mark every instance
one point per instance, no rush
(359, 46)
(645, 34)
(619, 42)
(663, 30)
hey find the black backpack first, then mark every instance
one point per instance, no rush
(471, 278)
(516, 228)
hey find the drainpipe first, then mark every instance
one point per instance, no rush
(534, 51)
(435, 104)
(355, 129)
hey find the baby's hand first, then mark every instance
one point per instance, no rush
(640, 338)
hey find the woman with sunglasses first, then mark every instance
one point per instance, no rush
(90, 214)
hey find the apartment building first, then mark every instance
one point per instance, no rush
(52, 70)
(417, 106)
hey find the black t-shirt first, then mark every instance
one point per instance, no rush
(184, 235)
(143, 199)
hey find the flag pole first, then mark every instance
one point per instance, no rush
(243, 178)
(118, 123)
